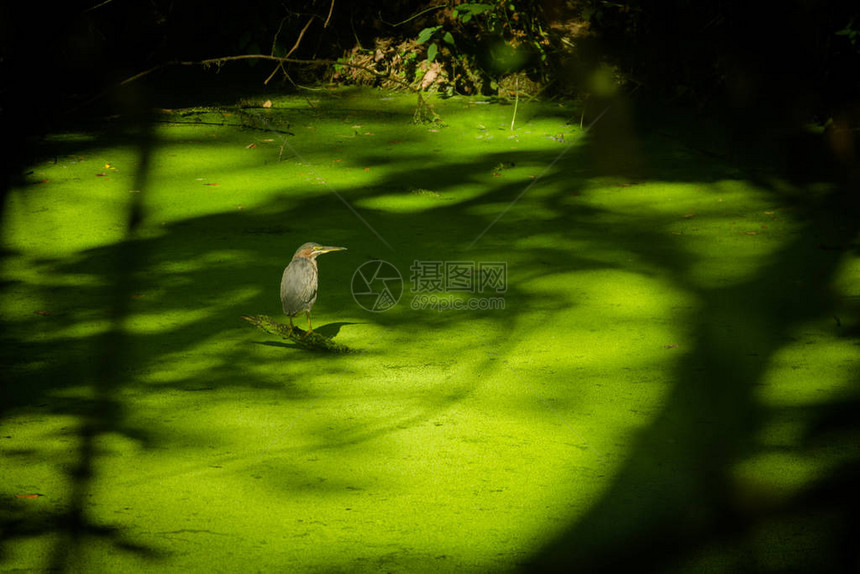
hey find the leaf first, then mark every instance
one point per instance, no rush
(431, 52)
(466, 11)
(426, 34)
(448, 38)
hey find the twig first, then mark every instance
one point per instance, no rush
(582, 116)
(301, 35)
(278, 33)
(280, 65)
(431, 8)
(91, 8)
(516, 100)
(224, 59)
(330, 10)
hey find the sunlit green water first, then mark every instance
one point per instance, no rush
(454, 440)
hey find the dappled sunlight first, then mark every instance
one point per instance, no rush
(814, 368)
(774, 475)
(635, 340)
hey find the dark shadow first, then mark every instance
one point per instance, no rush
(331, 330)
(677, 503)
(674, 498)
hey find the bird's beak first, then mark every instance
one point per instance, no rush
(327, 249)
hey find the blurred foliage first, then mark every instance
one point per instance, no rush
(797, 53)
(679, 49)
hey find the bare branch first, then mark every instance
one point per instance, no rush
(330, 10)
(301, 35)
(281, 61)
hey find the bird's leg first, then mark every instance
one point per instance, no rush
(291, 325)
(308, 313)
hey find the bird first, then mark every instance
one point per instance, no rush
(301, 279)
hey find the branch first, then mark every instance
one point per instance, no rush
(304, 339)
(330, 10)
(424, 111)
(301, 35)
(430, 9)
(225, 59)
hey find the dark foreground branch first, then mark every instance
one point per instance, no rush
(424, 112)
(304, 339)
(303, 62)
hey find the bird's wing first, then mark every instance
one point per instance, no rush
(298, 286)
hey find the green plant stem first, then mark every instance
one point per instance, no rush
(516, 100)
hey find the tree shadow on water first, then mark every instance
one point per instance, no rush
(100, 413)
(679, 501)
(676, 495)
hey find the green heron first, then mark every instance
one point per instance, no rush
(300, 280)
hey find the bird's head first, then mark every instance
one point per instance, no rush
(310, 250)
